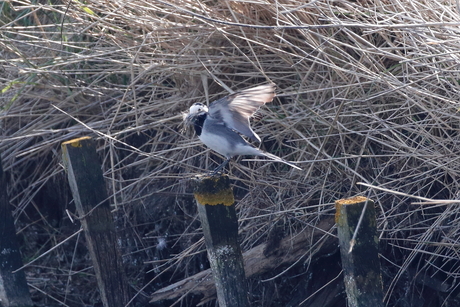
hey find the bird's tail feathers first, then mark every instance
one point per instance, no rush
(276, 158)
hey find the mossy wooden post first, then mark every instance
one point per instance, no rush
(14, 291)
(216, 207)
(90, 196)
(360, 260)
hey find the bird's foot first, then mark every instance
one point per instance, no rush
(215, 173)
(219, 170)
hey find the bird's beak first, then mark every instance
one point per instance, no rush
(186, 121)
(184, 116)
(188, 118)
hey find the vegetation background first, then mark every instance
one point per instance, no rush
(368, 91)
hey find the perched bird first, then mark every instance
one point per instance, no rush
(219, 126)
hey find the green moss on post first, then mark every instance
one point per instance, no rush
(360, 261)
(216, 208)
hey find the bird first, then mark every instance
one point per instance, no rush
(221, 126)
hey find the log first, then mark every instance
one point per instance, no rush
(312, 241)
(357, 232)
(216, 208)
(90, 196)
(14, 291)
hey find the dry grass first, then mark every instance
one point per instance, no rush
(368, 92)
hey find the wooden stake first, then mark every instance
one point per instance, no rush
(14, 291)
(216, 208)
(90, 196)
(357, 232)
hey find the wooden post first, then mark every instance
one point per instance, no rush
(14, 291)
(216, 208)
(90, 196)
(360, 261)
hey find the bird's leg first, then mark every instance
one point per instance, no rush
(220, 167)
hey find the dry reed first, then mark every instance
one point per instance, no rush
(368, 92)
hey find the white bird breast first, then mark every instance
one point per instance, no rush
(227, 148)
(216, 143)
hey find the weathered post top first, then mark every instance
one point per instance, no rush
(213, 191)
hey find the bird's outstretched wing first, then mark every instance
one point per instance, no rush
(236, 109)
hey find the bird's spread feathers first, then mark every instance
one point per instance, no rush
(236, 109)
(218, 126)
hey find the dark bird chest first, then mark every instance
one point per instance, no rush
(198, 123)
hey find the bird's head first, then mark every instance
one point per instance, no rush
(194, 111)
(198, 108)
